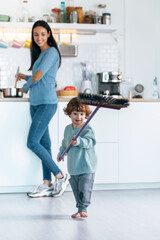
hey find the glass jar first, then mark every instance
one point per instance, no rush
(80, 14)
(89, 17)
(56, 14)
(126, 87)
(53, 18)
(101, 9)
(45, 17)
(97, 19)
(73, 17)
(61, 16)
(34, 19)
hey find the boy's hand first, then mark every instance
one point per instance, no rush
(73, 142)
(58, 160)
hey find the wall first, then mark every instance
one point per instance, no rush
(142, 40)
(136, 54)
(157, 37)
(101, 51)
(40, 7)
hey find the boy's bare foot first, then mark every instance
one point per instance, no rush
(76, 215)
(83, 214)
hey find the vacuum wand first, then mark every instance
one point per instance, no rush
(77, 135)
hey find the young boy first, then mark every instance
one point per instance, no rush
(81, 158)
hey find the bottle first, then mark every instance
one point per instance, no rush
(25, 11)
(155, 92)
(63, 18)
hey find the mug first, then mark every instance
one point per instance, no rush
(3, 44)
(16, 44)
(27, 43)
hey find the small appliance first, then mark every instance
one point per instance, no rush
(139, 88)
(86, 86)
(109, 83)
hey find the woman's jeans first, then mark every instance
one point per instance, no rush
(39, 140)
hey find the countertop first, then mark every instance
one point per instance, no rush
(144, 100)
(66, 99)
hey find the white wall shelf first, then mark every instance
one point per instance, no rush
(63, 27)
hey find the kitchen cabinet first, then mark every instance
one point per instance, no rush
(64, 120)
(139, 131)
(107, 167)
(18, 165)
(127, 145)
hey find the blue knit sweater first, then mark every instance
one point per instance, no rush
(43, 91)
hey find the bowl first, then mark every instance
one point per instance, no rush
(67, 93)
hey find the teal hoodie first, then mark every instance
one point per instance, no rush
(81, 158)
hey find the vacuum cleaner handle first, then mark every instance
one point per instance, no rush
(77, 135)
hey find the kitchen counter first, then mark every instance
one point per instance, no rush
(144, 100)
(65, 99)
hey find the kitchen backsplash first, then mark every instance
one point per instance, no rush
(101, 54)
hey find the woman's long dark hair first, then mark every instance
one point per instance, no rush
(35, 49)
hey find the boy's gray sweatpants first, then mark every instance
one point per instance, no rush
(82, 186)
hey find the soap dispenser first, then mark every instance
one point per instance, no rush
(155, 90)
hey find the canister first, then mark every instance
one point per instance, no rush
(80, 14)
(73, 17)
(107, 18)
(97, 19)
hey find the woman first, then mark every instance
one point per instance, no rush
(45, 61)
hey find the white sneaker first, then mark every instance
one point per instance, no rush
(60, 186)
(41, 191)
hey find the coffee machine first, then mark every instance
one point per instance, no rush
(109, 83)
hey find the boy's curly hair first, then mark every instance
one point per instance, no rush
(75, 105)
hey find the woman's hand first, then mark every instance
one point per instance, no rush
(73, 142)
(20, 76)
(22, 90)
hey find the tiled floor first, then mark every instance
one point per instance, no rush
(113, 215)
